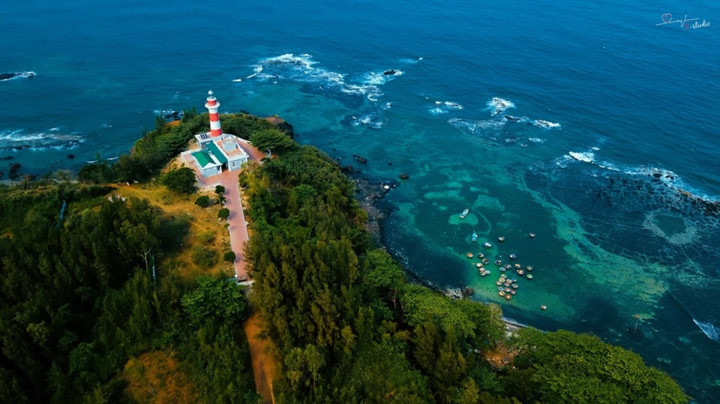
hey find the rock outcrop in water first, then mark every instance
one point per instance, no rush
(16, 75)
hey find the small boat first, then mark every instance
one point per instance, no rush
(464, 214)
(498, 262)
(531, 235)
(501, 293)
(518, 266)
(485, 261)
(487, 245)
(543, 307)
(508, 297)
(520, 272)
(529, 268)
(480, 255)
(512, 256)
(501, 239)
(474, 237)
(469, 255)
(479, 265)
(529, 276)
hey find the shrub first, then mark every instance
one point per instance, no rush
(219, 189)
(203, 201)
(207, 237)
(204, 257)
(229, 256)
(224, 213)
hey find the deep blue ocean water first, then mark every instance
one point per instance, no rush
(589, 125)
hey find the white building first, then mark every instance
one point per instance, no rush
(219, 151)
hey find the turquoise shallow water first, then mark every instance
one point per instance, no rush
(617, 192)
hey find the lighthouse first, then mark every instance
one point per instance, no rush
(212, 105)
(217, 151)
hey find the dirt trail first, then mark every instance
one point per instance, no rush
(262, 363)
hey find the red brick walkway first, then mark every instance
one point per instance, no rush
(233, 201)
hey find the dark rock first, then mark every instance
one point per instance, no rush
(1, 174)
(70, 156)
(14, 168)
(390, 72)
(172, 116)
(389, 163)
(8, 76)
(347, 169)
(6, 158)
(404, 176)
(469, 291)
(282, 125)
(360, 159)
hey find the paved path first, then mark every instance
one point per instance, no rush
(233, 201)
(238, 226)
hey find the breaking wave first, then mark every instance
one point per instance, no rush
(487, 127)
(498, 105)
(19, 140)
(540, 123)
(712, 331)
(302, 69)
(369, 120)
(443, 107)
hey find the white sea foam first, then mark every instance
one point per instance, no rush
(380, 78)
(237, 80)
(491, 127)
(411, 61)
(545, 124)
(18, 140)
(536, 140)
(302, 68)
(712, 331)
(444, 107)
(587, 157)
(370, 120)
(498, 105)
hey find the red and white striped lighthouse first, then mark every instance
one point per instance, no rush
(212, 105)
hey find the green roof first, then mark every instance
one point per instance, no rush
(212, 147)
(203, 158)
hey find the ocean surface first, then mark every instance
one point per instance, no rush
(590, 126)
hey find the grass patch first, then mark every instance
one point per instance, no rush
(154, 377)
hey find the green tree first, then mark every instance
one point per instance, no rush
(181, 180)
(224, 213)
(272, 139)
